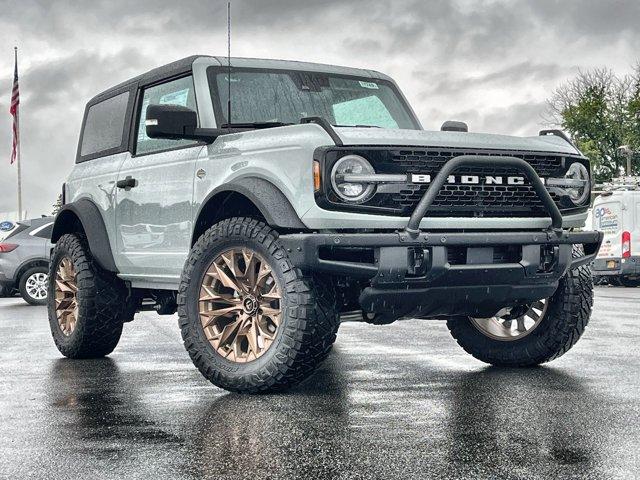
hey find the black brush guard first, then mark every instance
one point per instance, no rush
(411, 273)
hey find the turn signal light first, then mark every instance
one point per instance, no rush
(7, 247)
(626, 244)
(316, 175)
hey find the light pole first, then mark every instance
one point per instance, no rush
(628, 152)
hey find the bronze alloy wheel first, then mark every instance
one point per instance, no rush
(505, 327)
(66, 290)
(239, 305)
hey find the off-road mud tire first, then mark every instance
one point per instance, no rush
(567, 316)
(309, 313)
(101, 300)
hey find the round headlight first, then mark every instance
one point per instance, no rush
(578, 194)
(351, 191)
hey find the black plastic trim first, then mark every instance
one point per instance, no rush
(90, 218)
(326, 156)
(476, 288)
(155, 75)
(303, 247)
(326, 126)
(268, 199)
(413, 226)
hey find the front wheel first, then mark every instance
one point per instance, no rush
(249, 320)
(536, 334)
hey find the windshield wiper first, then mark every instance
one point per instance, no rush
(256, 125)
(358, 126)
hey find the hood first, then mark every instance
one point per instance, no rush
(424, 138)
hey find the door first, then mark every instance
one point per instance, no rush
(155, 192)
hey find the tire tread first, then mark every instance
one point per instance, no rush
(308, 334)
(101, 297)
(569, 314)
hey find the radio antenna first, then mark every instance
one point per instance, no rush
(229, 64)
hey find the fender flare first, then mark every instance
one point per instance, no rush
(26, 265)
(268, 199)
(88, 215)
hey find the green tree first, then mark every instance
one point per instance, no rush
(634, 110)
(601, 112)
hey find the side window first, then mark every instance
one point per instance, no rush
(177, 92)
(44, 232)
(104, 126)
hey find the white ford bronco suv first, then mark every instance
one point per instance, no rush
(266, 200)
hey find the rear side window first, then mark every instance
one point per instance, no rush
(21, 228)
(43, 232)
(104, 125)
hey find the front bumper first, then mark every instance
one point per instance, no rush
(413, 273)
(617, 267)
(444, 274)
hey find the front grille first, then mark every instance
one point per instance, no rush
(470, 200)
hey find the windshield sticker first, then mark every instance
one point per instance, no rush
(175, 98)
(370, 85)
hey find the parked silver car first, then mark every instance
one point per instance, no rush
(24, 260)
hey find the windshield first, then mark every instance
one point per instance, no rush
(288, 96)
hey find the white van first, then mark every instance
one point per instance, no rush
(617, 214)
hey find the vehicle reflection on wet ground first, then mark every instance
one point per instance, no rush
(397, 401)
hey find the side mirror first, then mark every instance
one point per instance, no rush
(175, 122)
(172, 122)
(453, 126)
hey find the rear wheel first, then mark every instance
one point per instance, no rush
(249, 320)
(539, 333)
(33, 285)
(86, 303)
(630, 281)
(615, 281)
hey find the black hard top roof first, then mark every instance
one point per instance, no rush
(184, 65)
(170, 69)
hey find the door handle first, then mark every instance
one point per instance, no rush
(127, 183)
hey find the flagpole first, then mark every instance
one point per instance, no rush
(18, 150)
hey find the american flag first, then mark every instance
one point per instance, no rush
(14, 111)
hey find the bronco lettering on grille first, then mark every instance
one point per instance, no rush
(473, 179)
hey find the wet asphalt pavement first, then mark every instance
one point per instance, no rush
(398, 401)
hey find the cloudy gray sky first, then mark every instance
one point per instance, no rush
(491, 63)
